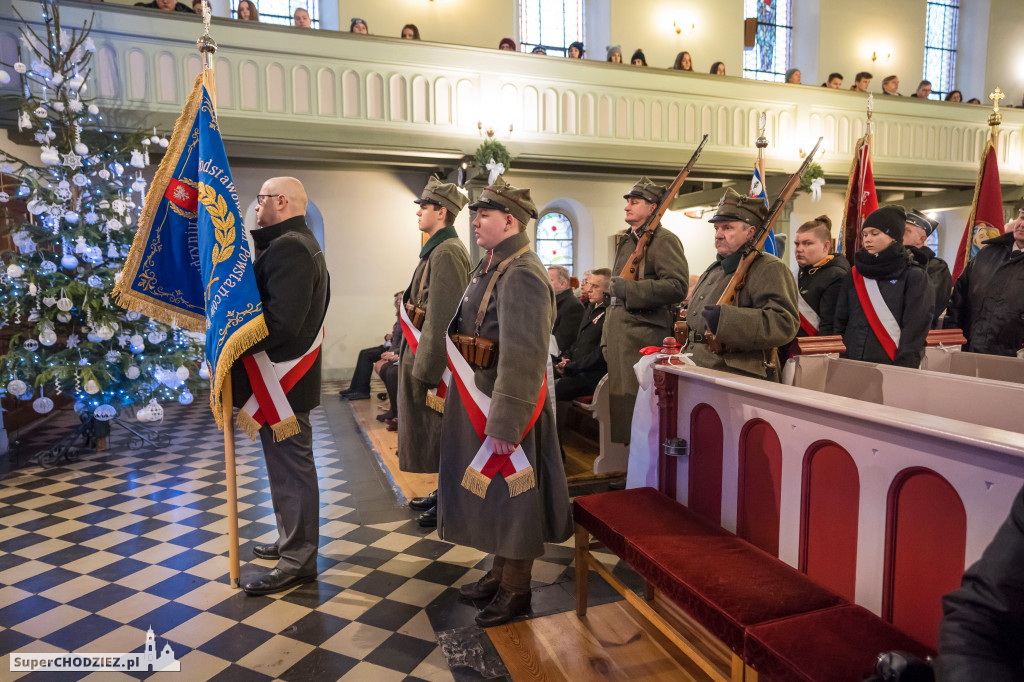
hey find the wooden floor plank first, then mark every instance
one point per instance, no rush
(613, 642)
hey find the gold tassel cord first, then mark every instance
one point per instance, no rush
(247, 424)
(521, 481)
(475, 482)
(286, 428)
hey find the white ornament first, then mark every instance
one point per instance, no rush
(76, 81)
(20, 67)
(72, 161)
(48, 266)
(139, 185)
(136, 340)
(91, 387)
(181, 372)
(65, 304)
(131, 316)
(69, 262)
(80, 180)
(151, 412)
(47, 337)
(42, 405)
(33, 316)
(64, 317)
(14, 271)
(58, 106)
(132, 372)
(30, 344)
(36, 207)
(80, 244)
(105, 332)
(113, 356)
(5, 77)
(137, 160)
(204, 371)
(118, 206)
(89, 45)
(49, 301)
(17, 387)
(63, 191)
(104, 413)
(154, 337)
(93, 109)
(49, 155)
(94, 281)
(104, 174)
(32, 289)
(92, 218)
(75, 105)
(185, 398)
(81, 149)
(94, 255)
(114, 225)
(4, 197)
(40, 112)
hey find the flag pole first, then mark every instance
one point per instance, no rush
(208, 46)
(762, 143)
(995, 118)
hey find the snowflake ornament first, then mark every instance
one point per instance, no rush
(118, 206)
(72, 161)
(80, 180)
(92, 218)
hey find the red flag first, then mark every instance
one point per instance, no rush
(986, 219)
(861, 200)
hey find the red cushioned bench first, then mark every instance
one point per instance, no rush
(722, 585)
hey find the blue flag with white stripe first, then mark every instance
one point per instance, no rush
(757, 190)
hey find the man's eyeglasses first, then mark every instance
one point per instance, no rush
(260, 198)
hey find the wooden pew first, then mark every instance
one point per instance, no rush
(613, 457)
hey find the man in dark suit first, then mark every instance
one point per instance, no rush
(570, 310)
(294, 287)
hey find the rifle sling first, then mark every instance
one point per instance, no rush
(482, 311)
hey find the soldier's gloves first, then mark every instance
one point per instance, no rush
(711, 314)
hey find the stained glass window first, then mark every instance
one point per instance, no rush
(551, 24)
(769, 58)
(281, 11)
(555, 244)
(940, 45)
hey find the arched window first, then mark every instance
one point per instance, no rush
(551, 24)
(940, 45)
(281, 11)
(769, 58)
(555, 242)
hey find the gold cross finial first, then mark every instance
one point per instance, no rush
(995, 118)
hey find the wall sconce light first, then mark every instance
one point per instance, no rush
(489, 132)
(883, 53)
(818, 157)
(680, 25)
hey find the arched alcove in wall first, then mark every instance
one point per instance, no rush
(314, 219)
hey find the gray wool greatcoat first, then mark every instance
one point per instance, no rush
(519, 317)
(765, 316)
(419, 427)
(645, 319)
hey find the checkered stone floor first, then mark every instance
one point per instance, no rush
(95, 552)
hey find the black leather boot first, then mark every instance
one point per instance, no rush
(428, 519)
(422, 504)
(504, 607)
(266, 552)
(485, 588)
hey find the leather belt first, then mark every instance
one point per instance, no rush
(697, 337)
(619, 303)
(616, 302)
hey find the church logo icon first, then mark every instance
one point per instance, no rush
(147, 661)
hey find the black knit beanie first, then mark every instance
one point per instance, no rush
(892, 220)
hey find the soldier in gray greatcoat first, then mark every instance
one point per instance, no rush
(766, 313)
(513, 511)
(641, 310)
(430, 302)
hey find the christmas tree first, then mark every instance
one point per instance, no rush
(82, 203)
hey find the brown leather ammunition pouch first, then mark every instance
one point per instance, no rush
(416, 314)
(478, 351)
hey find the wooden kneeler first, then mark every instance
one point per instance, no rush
(709, 653)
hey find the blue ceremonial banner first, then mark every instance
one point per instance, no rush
(757, 190)
(190, 264)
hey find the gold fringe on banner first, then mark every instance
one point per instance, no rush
(247, 424)
(248, 335)
(475, 482)
(521, 481)
(435, 403)
(286, 428)
(849, 186)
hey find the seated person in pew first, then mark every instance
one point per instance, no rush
(919, 228)
(988, 299)
(981, 637)
(819, 278)
(885, 306)
(765, 316)
(580, 368)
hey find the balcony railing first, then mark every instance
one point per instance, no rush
(320, 94)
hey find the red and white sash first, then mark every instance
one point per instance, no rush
(435, 396)
(515, 468)
(809, 320)
(881, 319)
(270, 383)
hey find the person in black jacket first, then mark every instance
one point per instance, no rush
(919, 228)
(988, 299)
(569, 309)
(294, 285)
(894, 327)
(981, 637)
(820, 277)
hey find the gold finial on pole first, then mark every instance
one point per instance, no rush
(761, 142)
(206, 44)
(871, 111)
(995, 118)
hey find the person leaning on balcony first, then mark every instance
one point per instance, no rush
(861, 81)
(793, 76)
(924, 90)
(891, 86)
(538, 50)
(615, 54)
(835, 81)
(683, 62)
(197, 6)
(410, 32)
(575, 50)
(166, 6)
(357, 25)
(247, 11)
(638, 58)
(765, 315)
(642, 310)
(988, 298)
(919, 228)
(954, 96)
(886, 302)
(301, 19)
(718, 69)
(508, 45)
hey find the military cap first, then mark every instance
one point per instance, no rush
(735, 206)
(647, 190)
(918, 219)
(502, 196)
(443, 194)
